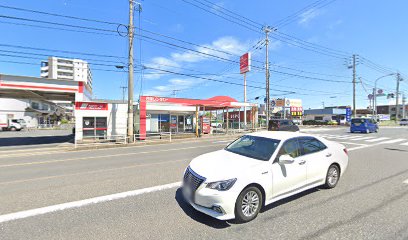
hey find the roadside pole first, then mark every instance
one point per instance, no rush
(245, 100)
(403, 105)
(196, 126)
(354, 86)
(397, 98)
(267, 30)
(130, 80)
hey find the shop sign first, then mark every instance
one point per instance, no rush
(245, 63)
(91, 106)
(156, 99)
(296, 111)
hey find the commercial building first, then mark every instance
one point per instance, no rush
(326, 115)
(391, 110)
(161, 114)
(68, 69)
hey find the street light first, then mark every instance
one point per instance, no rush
(375, 94)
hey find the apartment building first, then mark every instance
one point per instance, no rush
(67, 69)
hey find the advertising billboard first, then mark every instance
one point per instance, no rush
(245, 63)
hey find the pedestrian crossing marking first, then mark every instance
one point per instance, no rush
(360, 139)
(377, 139)
(395, 140)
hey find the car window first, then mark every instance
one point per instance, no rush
(291, 148)
(357, 120)
(284, 123)
(254, 147)
(311, 145)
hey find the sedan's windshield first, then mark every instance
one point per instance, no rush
(254, 147)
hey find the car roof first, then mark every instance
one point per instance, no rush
(279, 135)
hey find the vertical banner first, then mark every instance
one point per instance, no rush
(245, 63)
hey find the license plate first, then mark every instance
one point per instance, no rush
(188, 193)
(357, 124)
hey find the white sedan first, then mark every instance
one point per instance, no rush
(258, 169)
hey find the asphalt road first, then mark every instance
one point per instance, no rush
(370, 202)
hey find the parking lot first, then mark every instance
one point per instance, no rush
(133, 193)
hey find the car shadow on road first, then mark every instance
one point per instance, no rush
(289, 199)
(198, 216)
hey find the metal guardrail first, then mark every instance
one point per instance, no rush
(89, 141)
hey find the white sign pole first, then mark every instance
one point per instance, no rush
(245, 100)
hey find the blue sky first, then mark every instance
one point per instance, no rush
(373, 29)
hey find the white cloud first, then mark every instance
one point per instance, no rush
(309, 15)
(225, 44)
(159, 63)
(177, 84)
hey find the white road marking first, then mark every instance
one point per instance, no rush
(81, 203)
(394, 141)
(351, 143)
(226, 141)
(406, 181)
(404, 144)
(96, 158)
(377, 139)
(362, 138)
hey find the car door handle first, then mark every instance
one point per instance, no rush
(301, 162)
(328, 155)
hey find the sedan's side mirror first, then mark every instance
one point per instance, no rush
(286, 159)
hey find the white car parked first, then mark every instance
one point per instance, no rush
(403, 122)
(258, 169)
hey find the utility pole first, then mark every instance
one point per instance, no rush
(175, 91)
(403, 104)
(131, 79)
(397, 98)
(354, 86)
(267, 31)
(123, 93)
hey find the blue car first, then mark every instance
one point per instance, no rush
(363, 125)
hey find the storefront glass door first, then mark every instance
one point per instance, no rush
(180, 124)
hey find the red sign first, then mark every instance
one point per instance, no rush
(245, 63)
(296, 111)
(91, 106)
(238, 115)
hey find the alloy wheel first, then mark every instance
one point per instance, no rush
(250, 203)
(332, 176)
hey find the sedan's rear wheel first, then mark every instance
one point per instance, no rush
(248, 204)
(332, 177)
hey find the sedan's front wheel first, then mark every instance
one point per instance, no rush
(248, 204)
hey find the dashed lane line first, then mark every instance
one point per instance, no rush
(404, 144)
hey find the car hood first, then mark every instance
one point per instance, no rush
(223, 165)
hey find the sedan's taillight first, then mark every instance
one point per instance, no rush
(345, 151)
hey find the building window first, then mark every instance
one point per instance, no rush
(64, 61)
(318, 118)
(65, 68)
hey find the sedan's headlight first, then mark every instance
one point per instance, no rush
(222, 185)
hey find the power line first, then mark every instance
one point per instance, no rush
(57, 15)
(219, 15)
